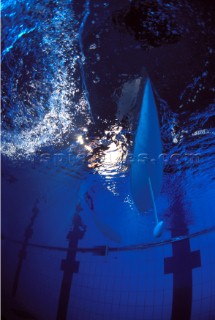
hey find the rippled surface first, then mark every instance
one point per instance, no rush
(69, 79)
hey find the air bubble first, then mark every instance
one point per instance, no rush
(92, 46)
(96, 80)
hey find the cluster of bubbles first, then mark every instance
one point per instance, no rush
(43, 100)
(44, 95)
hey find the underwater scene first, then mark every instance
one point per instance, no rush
(108, 160)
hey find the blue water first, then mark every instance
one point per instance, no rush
(70, 74)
